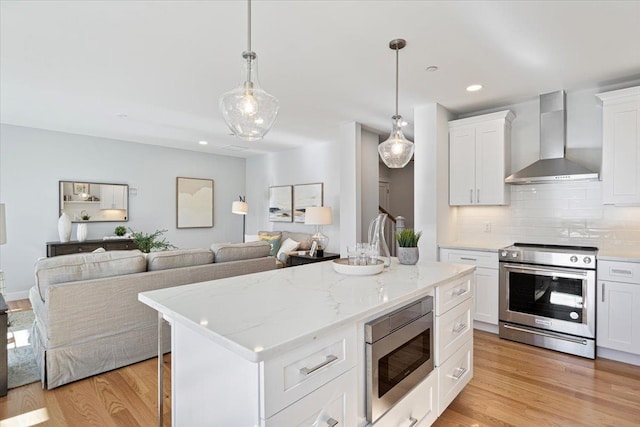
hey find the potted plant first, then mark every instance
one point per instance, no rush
(84, 215)
(148, 242)
(408, 246)
(120, 231)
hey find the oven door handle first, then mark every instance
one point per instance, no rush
(545, 269)
(573, 340)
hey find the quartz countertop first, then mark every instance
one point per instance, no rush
(619, 253)
(475, 246)
(261, 315)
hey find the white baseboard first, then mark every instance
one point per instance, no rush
(487, 327)
(619, 356)
(14, 296)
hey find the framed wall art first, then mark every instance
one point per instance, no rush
(305, 196)
(280, 203)
(194, 202)
(81, 188)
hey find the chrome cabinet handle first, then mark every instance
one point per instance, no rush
(413, 421)
(478, 195)
(471, 195)
(602, 292)
(621, 271)
(460, 328)
(330, 358)
(332, 422)
(458, 373)
(458, 292)
(468, 259)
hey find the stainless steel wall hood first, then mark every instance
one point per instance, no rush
(552, 166)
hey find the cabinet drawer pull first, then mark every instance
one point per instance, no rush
(413, 421)
(330, 358)
(468, 259)
(602, 291)
(458, 373)
(471, 195)
(458, 292)
(621, 272)
(332, 422)
(478, 195)
(460, 328)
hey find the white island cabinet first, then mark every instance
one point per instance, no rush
(286, 347)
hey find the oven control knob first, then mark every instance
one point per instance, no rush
(514, 255)
(587, 260)
(573, 258)
(503, 253)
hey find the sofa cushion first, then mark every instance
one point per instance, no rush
(237, 251)
(163, 260)
(287, 246)
(303, 238)
(273, 238)
(75, 267)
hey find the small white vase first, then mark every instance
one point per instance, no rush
(408, 256)
(64, 228)
(82, 232)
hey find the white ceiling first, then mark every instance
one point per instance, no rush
(76, 66)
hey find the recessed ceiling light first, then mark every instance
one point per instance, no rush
(202, 142)
(474, 88)
(431, 68)
(122, 115)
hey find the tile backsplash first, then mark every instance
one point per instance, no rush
(557, 213)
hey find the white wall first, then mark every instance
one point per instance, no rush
(32, 162)
(314, 163)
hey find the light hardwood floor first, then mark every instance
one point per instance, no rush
(513, 385)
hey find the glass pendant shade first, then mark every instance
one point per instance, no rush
(248, 110)
(396, 151)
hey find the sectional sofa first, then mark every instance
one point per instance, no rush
(88, 318)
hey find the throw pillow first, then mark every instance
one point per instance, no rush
(287, 246)
(273, 238)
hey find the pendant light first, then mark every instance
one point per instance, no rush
(397, 150)
(248, 110)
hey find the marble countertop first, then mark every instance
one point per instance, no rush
(261, 315)
(475, 246)
(619, 253)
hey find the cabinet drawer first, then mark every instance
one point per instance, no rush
(75, 249)
(453, 329)
(451, 294)
(419, 405)
(454, 374)
(477, 258)
(333, 404)
(120, 246)
(626, 272)
(297, 373)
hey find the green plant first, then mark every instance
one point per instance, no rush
(84, 215)
(408, 238)
(147, 242)
(120, 231)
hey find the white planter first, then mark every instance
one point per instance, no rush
(82, 232)
(64, 228)
(408, 256)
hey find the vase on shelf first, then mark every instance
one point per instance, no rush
(82, 232)
(64, 228)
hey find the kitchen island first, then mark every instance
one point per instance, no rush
(240, 345)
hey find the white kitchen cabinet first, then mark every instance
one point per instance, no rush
(486, 295)
(420, 405)
(618, 306)
(621, 146)
(112, 197)
(480, 159)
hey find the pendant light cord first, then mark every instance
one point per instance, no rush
(249, 26)
(396, 79)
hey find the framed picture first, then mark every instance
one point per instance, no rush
(280, 203)
(194, 203)
(81, 188)
(304, 196)
(314, 248)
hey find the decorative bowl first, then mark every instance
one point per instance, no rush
(342, 266)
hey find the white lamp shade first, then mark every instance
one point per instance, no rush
(318, 215)
(240, 208)
(3, 225)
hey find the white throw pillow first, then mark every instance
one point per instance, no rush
(286, 246)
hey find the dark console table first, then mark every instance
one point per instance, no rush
(4, 369)
(74, 247)
(296, 259)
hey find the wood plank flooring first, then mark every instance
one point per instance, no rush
(513, 385)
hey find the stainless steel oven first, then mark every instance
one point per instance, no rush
(399, 351)
(547, 297)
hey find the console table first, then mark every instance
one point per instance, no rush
(74, 247)
(4, 369)
(295, 259)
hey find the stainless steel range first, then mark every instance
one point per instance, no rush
(547, 296)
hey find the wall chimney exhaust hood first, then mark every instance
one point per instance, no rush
(552, 166)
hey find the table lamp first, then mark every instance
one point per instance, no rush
(240, 207)
(318, 216)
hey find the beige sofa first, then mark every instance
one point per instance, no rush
(282, 258)
(88, 318)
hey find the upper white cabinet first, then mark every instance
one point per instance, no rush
(112, 197)
(621, 146)
(480, 159)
